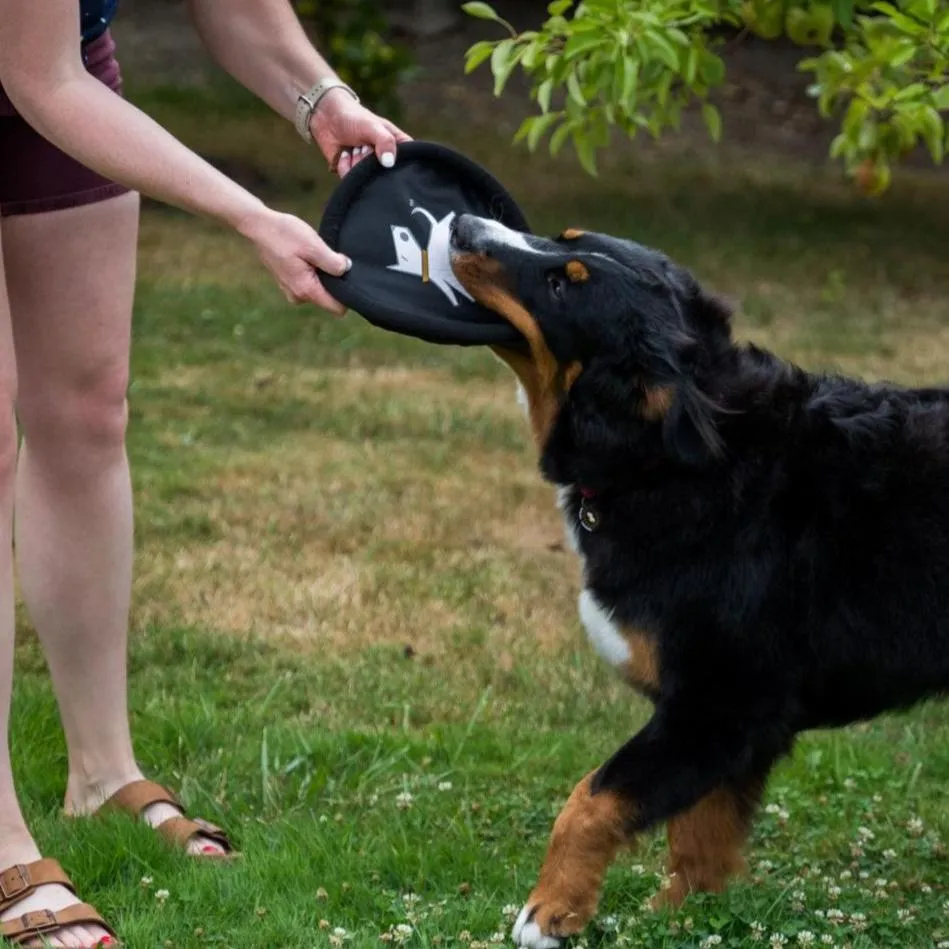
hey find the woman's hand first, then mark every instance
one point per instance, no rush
(293, 252)
(346, 132)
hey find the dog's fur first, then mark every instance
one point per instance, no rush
(769, 549)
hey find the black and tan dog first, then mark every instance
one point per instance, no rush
(765, 550)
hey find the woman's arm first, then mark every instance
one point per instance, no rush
(41, 71)
(262, 44)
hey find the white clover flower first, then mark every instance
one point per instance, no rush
(499, 936)
(835, 916)
(146, 882)
(858, 921)
(772, 809)
(637, 869)
(401, 932)
(161, 895)
(827, 939)
(445, 785)
(765, 865)
(850, 784)
(915, 827)
(709, 941)
(777, 940)
(889, 854)
(411, 899)
(904, 915)
(757, 931)
(510, 910)
(403, 801)
(864, 834)
(805, 938)
(609, 922)
(926, 889)
(846, 875)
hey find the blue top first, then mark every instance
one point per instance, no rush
(95, 17)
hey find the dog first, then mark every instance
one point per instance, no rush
(765, 550)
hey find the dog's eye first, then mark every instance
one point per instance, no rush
(557, 284)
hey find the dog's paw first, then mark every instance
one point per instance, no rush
(545, 924)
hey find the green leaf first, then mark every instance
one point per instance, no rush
(503, 62)
(482, 11)
(541, 124)
(544, 91)
(574, 90)
(713, 121)
(843, 12)
(712, 69)
(932, 131)
(663, 49)
(585, 152)
(914, 90)
(630, 78)
(558, 7)
(941, 98)
(581, 43)
(477, 55)
(559, 137)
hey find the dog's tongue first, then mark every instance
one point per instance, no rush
(394, 224)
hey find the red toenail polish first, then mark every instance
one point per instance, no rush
(209, 848)
(106, 941)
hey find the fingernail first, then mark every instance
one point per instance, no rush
(349, 265)
(388, 160)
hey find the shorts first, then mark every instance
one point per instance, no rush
(35, 176)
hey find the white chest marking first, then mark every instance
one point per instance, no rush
(606, 639)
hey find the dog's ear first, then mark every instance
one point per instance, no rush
(688, 431)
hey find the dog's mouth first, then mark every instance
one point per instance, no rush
(485, 257)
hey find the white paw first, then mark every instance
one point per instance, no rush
(527, 933)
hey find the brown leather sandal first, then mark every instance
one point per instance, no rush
(18, 882)
(137, 796)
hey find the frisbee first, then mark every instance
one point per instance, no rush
(395, 223)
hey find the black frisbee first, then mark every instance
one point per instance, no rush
(394, 223)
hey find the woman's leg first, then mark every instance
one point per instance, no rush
(70, 279)
(16, 844)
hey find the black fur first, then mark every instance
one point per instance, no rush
(783, 535)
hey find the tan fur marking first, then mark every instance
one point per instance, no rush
(586, 838)
(641, 670)
(577, 272)
(570, 375)
(539, 373)
(572, 234)
(656, 402)
(705, 847)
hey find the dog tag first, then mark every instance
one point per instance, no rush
(589, 516)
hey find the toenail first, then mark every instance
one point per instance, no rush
(209, 848)
(105, 941)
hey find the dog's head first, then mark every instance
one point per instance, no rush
(618, 340)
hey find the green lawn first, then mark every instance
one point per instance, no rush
(354, 632)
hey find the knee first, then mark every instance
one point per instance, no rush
(80, 422)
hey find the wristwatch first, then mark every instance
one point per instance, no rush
(308, 101)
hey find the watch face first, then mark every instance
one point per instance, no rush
(395, 225)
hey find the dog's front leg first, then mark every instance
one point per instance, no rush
(672, 764)
(587, 835)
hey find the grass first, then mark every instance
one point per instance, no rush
(354, 633)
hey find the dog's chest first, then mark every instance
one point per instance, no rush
(630, 651)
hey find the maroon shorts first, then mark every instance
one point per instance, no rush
(36, 176)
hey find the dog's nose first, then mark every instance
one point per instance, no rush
(463, 231)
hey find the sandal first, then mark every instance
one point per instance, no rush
(18, 882)
(135, 798)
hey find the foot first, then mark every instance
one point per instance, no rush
(52, 897)
(545, 921)
(88, 799)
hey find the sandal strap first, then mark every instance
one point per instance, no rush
(43, 922)
(181, 830)
(19, 881)
(138, 796)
